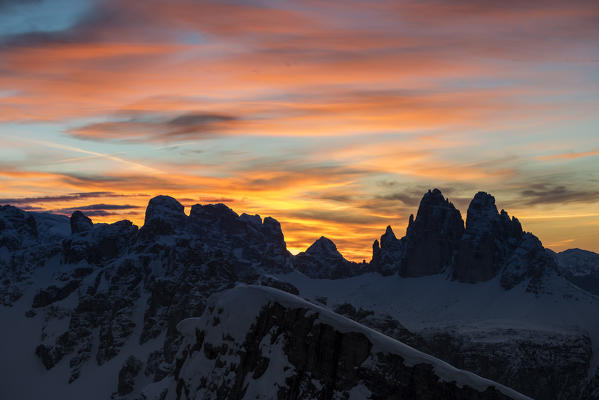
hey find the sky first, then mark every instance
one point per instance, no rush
(332, 117)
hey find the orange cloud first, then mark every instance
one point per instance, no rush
(300, 110)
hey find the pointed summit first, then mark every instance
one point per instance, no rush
(432, 237)
(323, 247)
(388, 238)
(323, 260)
(387, 256)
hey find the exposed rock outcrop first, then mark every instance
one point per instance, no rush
(127, 375)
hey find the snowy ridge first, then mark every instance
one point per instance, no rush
(580, 267)
(237, 310)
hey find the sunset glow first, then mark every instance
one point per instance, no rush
(332, 117)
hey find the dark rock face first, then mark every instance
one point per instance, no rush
(489, 239)
(246, 238)
(316, 351)
(127, 375)
(323, 260)
(53, 294)
(80, 223)
(543, 365)
(433, 237)
(539, 363)
(100, 243)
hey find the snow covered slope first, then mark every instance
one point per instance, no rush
(543, 344)
(261, 343)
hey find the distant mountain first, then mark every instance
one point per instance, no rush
(580, 267)
(91, 310)
(323, 260)
(490, 245)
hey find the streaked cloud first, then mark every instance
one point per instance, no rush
(570, 156)
(542, 194)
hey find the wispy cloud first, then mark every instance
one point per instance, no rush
(570, 156)
(548, 194)
(51, 199)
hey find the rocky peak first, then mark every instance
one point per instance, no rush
(386, 257)
(80, 223)
(164, 215)
(433, 236)
(323, 247)
(489, 239)
(481, 212)
(13, 218)
(388, 239)
(436, 211)
(253, 220)
(164, 207)
(376, 248)
(323, 260)
(272, 228)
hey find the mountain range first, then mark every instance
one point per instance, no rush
(212, 305)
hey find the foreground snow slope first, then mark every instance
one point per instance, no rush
(294, 349)
(474, 325)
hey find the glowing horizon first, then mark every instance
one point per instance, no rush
(332, 118)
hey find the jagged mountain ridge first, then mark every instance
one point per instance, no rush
(110, 291)
(490, 244)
